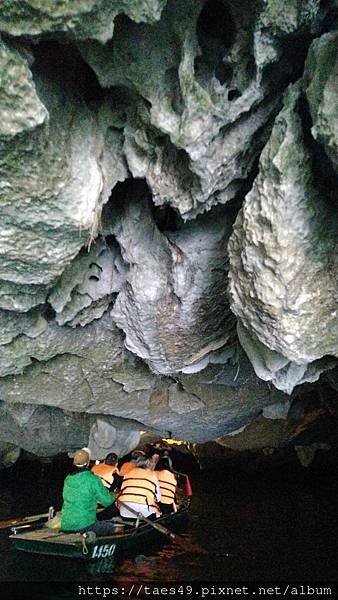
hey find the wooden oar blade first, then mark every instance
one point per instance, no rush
(159, 527)
(22, 520)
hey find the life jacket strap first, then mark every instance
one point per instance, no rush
(136, 479)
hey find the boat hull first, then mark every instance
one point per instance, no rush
(74, 545)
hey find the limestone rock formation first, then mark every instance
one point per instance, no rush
(173, 306)
(86, 371)
(86, 287)
(14, 324)
(205, 106)
(283, 265)
(21, 108)
(79, 18)
(168, 230)
(272, 366)
(9, 454)
(54, 176)
(321, 75)
(39, 427)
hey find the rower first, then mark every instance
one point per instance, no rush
(81, 492)
(107, 470)
(140, 490)
(168, 485)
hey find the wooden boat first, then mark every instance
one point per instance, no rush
(88, 546)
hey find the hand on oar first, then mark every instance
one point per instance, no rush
(155, 525)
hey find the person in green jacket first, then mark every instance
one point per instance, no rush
(81, 492)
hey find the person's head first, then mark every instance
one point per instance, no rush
(143, 462)
(81, 458)
(153, 460)
(163, 464)
(111, 459)
(136, 454)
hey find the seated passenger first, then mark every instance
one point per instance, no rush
(127, 466)
(140, 490)
(107, 469)
(168, 485)
(81, 491)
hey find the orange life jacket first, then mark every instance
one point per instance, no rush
(126, 467)
(168, 483)
(105, 472)
(139, 485)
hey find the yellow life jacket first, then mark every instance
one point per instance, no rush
(105, 472)
(125, 468)
(168, 483)
(139, 485)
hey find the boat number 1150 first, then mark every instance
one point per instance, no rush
(103, 551)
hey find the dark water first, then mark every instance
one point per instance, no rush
(279, 524)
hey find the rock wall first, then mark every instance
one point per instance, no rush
(168, 238)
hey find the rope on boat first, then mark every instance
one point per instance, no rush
(84, 546)
(90, 537)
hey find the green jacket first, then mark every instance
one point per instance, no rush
(81, 492)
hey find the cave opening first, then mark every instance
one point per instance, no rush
(330, 11)
(215, 22)
(62, 62)
(234, 94)
(216, 33)
(131, 187)
(289, 68)
(223, 72)
(165, 216)
(121, 100)
(48, 312)
(324, 176)
(171, 79)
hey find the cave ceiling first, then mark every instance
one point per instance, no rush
(168, 211)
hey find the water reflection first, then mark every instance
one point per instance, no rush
(282, 526)
(161, 561)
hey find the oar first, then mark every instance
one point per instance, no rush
(23, 520)
(28, 527)
(157, 526)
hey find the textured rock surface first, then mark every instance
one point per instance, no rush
(321, 76)
(283, 261)
(300, 428)
(131, 134)
(173, 306)
(51, 178)
(13, 325)
(37, 428)
(209, 106)
(21, 107)
(79, 18)
(272, 366)
(9, 454)
(87, 371)
(86, 287)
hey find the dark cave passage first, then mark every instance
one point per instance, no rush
(62, 62)
(165, 217)
(215, 33)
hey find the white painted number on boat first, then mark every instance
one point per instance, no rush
(103, 551)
